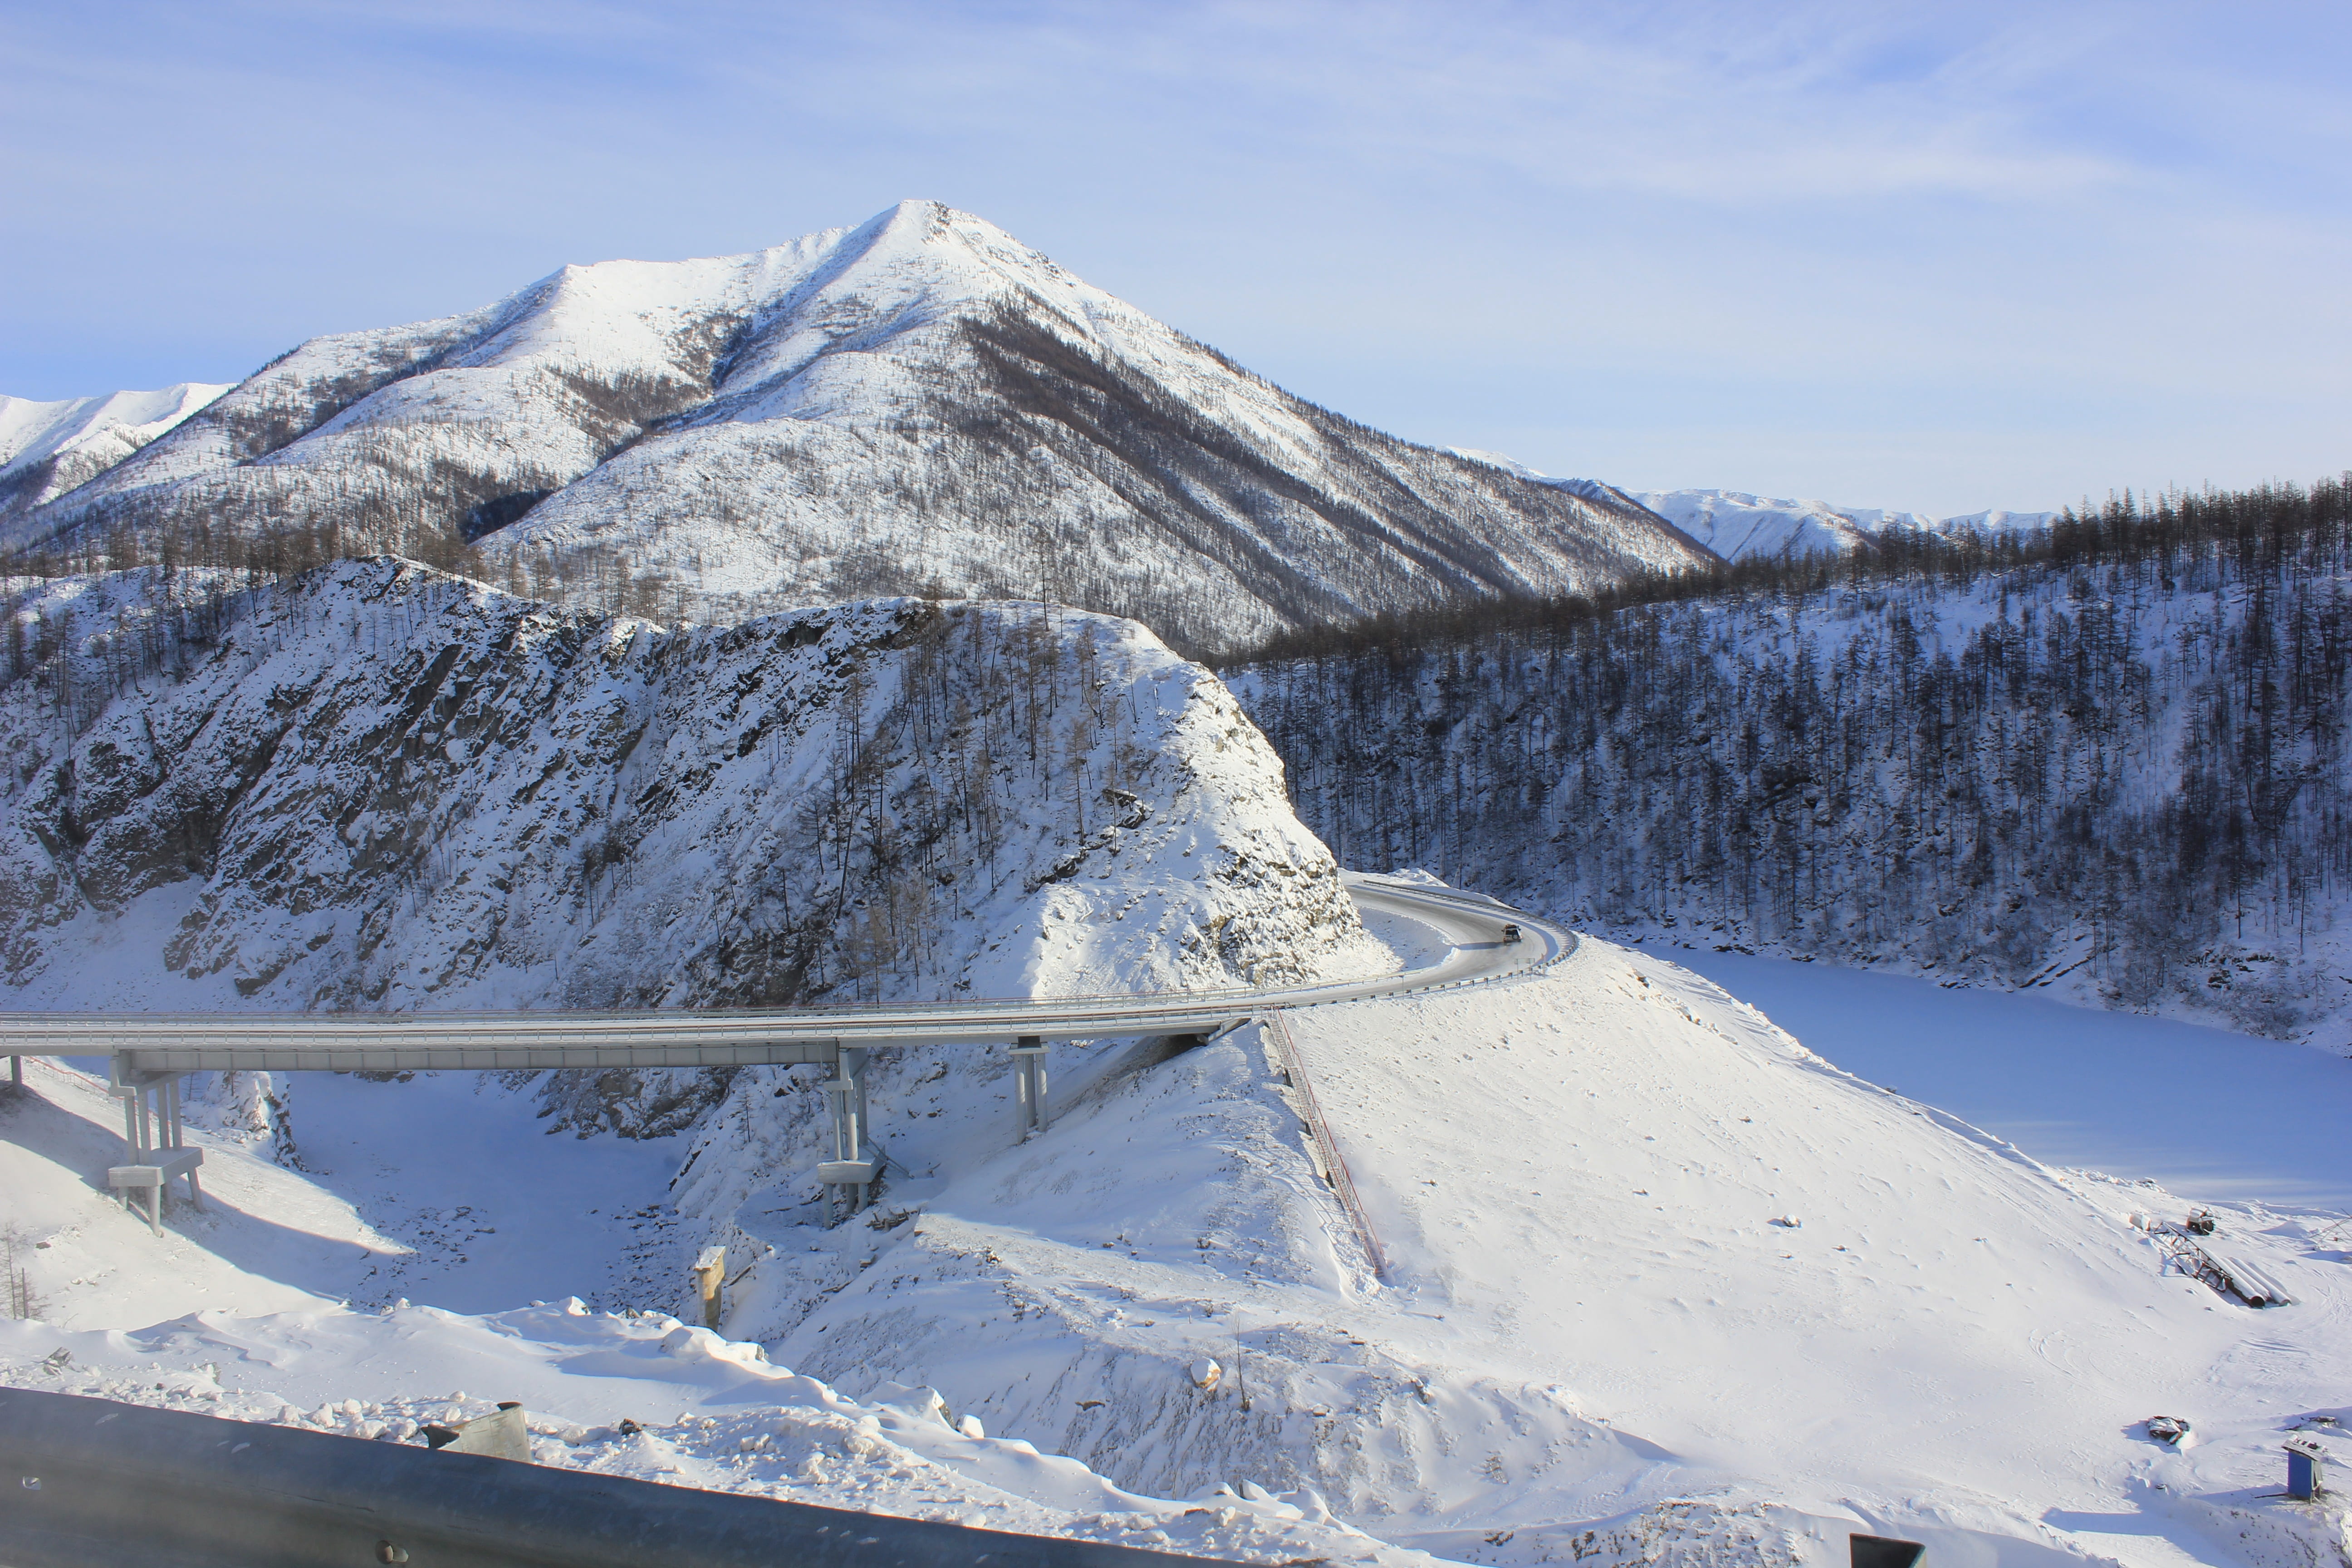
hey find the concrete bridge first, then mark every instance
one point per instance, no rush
(1484, 941)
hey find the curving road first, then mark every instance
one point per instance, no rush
(1467, 928)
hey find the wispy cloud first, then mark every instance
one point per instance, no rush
(1594, 232)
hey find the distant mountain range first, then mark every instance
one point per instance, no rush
(1736, 525)
(1739, 526)
(918, 404)
(50, 448)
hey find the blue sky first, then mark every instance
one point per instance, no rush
(1938, 257)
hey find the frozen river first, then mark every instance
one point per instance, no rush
(2209, 1113)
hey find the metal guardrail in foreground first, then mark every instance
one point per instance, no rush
(91, 1483)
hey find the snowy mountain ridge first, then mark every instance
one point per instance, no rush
(918, 404)
(48, 448)
(1739, 526)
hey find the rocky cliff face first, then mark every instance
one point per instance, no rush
(377, 786)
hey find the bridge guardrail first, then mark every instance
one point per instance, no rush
(93, 1483)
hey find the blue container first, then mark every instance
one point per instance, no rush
(2302, 1475)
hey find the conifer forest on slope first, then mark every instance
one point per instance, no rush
(2109, 755)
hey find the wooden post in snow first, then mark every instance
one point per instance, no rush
(710, 1270)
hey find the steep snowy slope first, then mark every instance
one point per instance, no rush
(47, 449)
(378, 786)
(918, 400)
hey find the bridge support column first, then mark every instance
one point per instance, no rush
(1029, 1084)
(155, 1139)
(855, 1161)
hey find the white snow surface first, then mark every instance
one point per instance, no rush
(2128, 1094)
(1594, 1342)
(48, 448)
(920, 400)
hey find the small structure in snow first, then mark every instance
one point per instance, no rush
(1206, 1374)
(709, 1271)
(2303, 1480)
(2172, 1429)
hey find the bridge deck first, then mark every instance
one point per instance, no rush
(158, 1043)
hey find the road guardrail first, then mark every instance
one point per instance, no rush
(93, 1483)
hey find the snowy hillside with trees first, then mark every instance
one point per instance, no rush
(48, 448)
(2108, 757)
(378, 786)
(920, 403)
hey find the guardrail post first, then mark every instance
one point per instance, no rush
(1029, 1084)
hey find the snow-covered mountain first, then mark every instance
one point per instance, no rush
(377, 786)
(920, 403)
(1739, 526)
(47, 449)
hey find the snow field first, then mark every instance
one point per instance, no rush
(2197, 1108)
(1952, 1344)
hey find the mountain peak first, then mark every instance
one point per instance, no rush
(919, 403)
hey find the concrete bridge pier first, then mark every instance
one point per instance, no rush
(155, 1141)
(856, 1162)
(1029, 1084)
